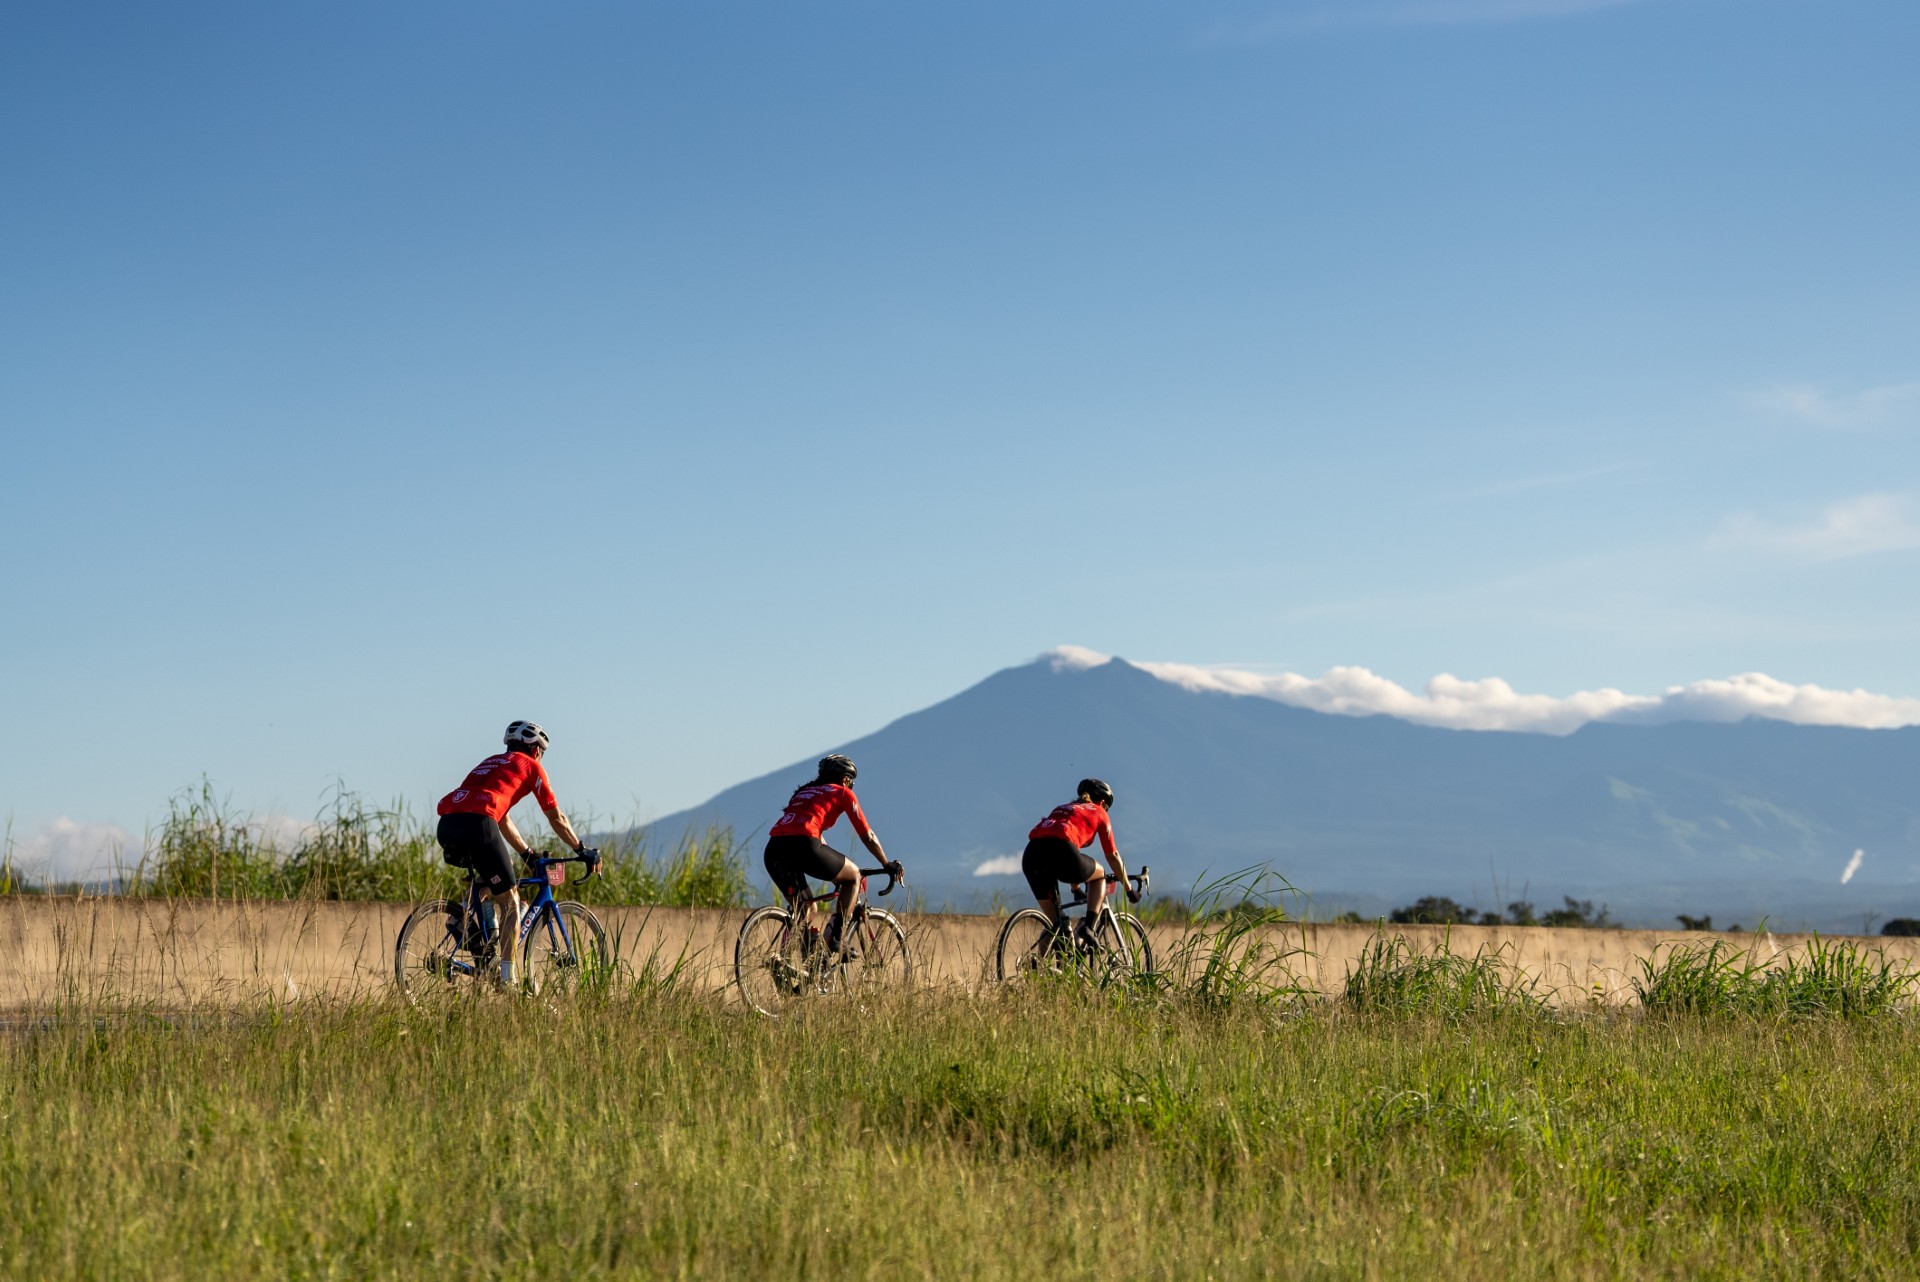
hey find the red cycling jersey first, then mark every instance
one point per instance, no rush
(496, 786)
(816, 808)
(1079, 822)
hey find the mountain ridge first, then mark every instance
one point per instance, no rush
(1367, 811)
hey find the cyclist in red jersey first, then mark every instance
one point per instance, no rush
(795, 851)
(1054, 852)
(477, 832)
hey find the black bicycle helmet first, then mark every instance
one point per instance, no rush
(838, 769)
(1098, 790)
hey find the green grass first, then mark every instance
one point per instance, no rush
(1223, 955)
(1843, 978)
(357, 850)
(1066, 1135)
(1395, 977)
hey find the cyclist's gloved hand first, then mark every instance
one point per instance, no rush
(1133, 893)
(592, 857)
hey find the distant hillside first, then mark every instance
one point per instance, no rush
(1738, 820)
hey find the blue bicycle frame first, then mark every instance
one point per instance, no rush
(542, 908)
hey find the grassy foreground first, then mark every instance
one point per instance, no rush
(1056, 1135)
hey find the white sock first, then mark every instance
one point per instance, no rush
(506, 971)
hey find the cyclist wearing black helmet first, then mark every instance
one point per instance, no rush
(476, 831)
(795, 851)
(1055, 846)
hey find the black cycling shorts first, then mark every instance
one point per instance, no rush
(476, 842)
(793, 857)
(1048, 861)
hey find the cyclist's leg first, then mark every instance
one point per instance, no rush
(507, 912)
(1047, 862)
(794, 857)
(1037, 865)
(452, 833)
(845, 878)
(1096, 892)
(462, 838)
(786, 862)
(493, 865)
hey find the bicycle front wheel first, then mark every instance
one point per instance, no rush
(770, 962)
(1028, 948)
(429, 963)
(885, 965)
(1128, 953)
(566, 950)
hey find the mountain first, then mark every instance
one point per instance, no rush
(1742, 820)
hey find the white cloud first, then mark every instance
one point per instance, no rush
(1855, 527)
(1816, 405)
(1492, 704)
(1074, 658)
(1755, 694)
(65, 849)
(283, 832)
(1485, 704)
(1004, 866)
(1853, 866)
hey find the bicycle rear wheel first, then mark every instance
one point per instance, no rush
(770, 961)
(566, 951)
(885, 965)
(1127, 952)
(429, 963)
(1029, 949)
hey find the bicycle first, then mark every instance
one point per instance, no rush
(449, 948)
(780, 956)
(1031, 947)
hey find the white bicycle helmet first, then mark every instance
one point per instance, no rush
(527, 733)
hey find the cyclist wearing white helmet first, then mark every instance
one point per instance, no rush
(477, 832)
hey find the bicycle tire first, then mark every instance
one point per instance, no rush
(1135, 959)
(566, 950)
(885, 964)
(1025, 949)
(769, 961)
(429, 964)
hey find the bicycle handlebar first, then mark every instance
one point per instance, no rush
(538, 860)
(896, 874)
(1139, 880)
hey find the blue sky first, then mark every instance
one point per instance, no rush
(715, 383)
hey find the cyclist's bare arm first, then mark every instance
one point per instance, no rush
(562, 827)
(512, 834)
(1119, 866)
(871, 840)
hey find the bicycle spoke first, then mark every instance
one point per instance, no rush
(770, 962)
(566, 949)
(431, 963)
(885, 963)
